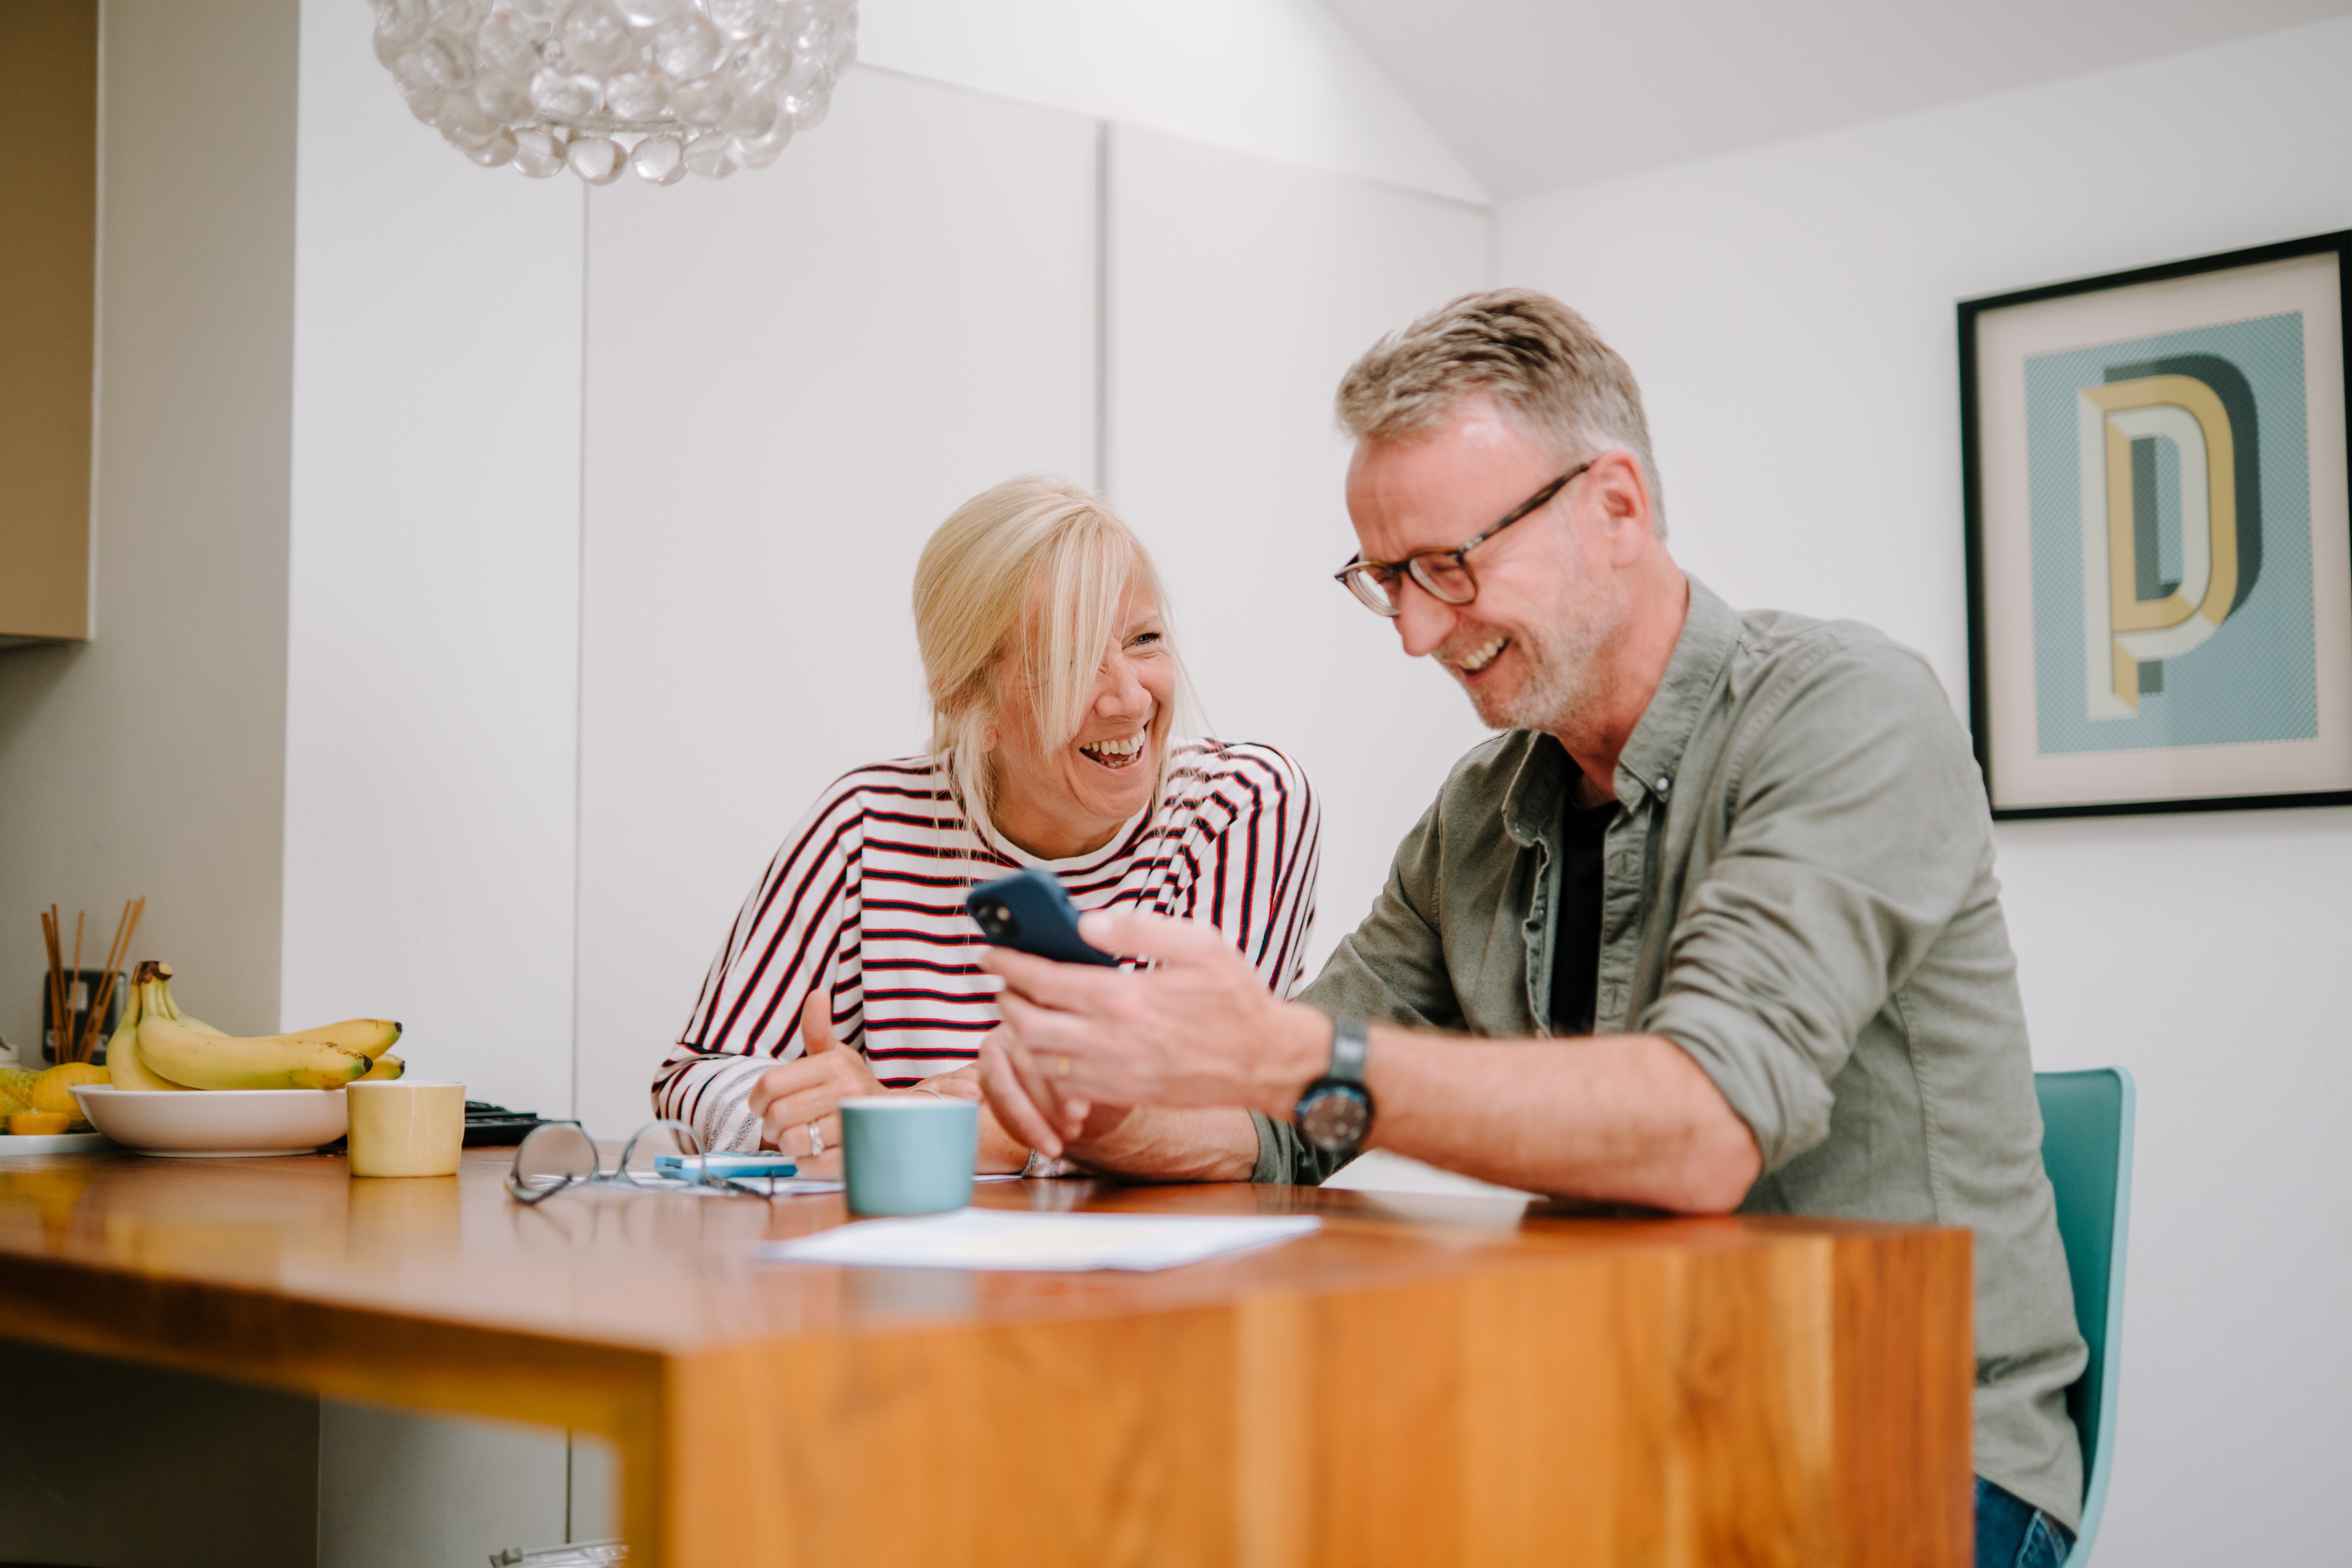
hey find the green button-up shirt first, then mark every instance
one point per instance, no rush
(1798, 889)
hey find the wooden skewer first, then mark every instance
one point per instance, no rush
(95, 1024)
(57, 979)
(58, 984)
(73, 983)
(95, 1017)
(95, 1020)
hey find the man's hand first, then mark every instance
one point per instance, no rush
(793, 1094)
(1001, 1151)
(1027, 1103)
(1197, 1029)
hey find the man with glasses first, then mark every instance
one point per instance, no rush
(1711, 926)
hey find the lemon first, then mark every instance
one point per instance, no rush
(34, 1123)
(53, 1090)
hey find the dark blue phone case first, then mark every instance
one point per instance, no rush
(1028, 912)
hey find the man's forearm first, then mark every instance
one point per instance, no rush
(1623, 1118)
(1169, 1144)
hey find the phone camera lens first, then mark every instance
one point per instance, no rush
(997, 922)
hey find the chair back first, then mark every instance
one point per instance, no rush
(2087, 1147)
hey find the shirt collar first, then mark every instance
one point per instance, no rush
(1539, 790)
(1653, 753)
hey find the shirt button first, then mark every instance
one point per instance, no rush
(1664, 784)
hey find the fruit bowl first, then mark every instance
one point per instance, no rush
(218, 1124)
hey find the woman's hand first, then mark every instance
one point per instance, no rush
(792, 1097)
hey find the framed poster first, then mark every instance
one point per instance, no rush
(2159, 545)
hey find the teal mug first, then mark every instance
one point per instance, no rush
(908, 1153)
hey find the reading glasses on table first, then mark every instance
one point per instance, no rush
(660, 1157)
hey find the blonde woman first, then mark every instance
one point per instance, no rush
(1053, 691)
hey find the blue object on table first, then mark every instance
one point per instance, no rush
(724, 1167)
(2087, 1147)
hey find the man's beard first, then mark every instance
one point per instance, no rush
(1564, 662)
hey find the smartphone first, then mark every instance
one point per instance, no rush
(1028, 912)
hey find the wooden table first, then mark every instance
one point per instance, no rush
(1423, 1382)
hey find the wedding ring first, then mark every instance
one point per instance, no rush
(817, 1142)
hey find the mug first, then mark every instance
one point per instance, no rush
(403, 1128)
(908, 1153)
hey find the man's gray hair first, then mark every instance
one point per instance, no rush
(1542, 363)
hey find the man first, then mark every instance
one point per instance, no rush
(1719, 905)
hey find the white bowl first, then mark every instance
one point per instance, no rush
(217, 1123)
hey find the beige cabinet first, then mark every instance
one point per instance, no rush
(48, 259)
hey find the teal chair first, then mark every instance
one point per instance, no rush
(2086, 1146)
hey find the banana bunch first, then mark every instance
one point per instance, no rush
(157, 1047)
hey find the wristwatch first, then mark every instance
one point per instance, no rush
(1335, 1114)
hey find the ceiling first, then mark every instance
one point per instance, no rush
(1533, 93)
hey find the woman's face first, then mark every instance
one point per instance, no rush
(1064, 800)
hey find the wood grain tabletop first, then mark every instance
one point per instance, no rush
(1424, 1379)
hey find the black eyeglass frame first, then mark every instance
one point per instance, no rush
(1358, 570)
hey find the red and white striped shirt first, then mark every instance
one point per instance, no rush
(865, 898)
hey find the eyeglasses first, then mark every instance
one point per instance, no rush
(1444, 574)
(660, 1156)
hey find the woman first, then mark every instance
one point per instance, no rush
(1054, 687)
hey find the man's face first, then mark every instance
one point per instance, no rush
(1530, 649)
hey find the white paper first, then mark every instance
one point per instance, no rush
(994, 1238)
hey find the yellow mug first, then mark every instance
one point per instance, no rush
(403, 1127)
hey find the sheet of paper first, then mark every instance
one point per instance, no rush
(993, 1238)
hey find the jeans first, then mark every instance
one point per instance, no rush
(2013, 1534)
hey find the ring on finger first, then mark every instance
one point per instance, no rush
(1063, 1070)
(817, 1142)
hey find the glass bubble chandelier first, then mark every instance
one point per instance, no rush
(663, 87)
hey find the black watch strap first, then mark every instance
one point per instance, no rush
(1335, 1114)
(1350, 1044)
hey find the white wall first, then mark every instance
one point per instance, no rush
(431, 693)
(1790, 311)
(1239, 291)
(147, 761)
(1278, 78)
(899, 314)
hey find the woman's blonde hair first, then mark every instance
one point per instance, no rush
(1015, 597)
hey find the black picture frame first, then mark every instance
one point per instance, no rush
(1989, 687)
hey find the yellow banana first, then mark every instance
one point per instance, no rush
(225, 1061)
(369, 1036)
(163, 977)
(386, 1067)
(124, 1070)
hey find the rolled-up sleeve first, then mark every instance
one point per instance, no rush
(1389, 969)
(1853, 836)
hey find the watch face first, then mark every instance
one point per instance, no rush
(1336, 1117)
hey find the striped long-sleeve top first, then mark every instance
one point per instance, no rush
(866, 900)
